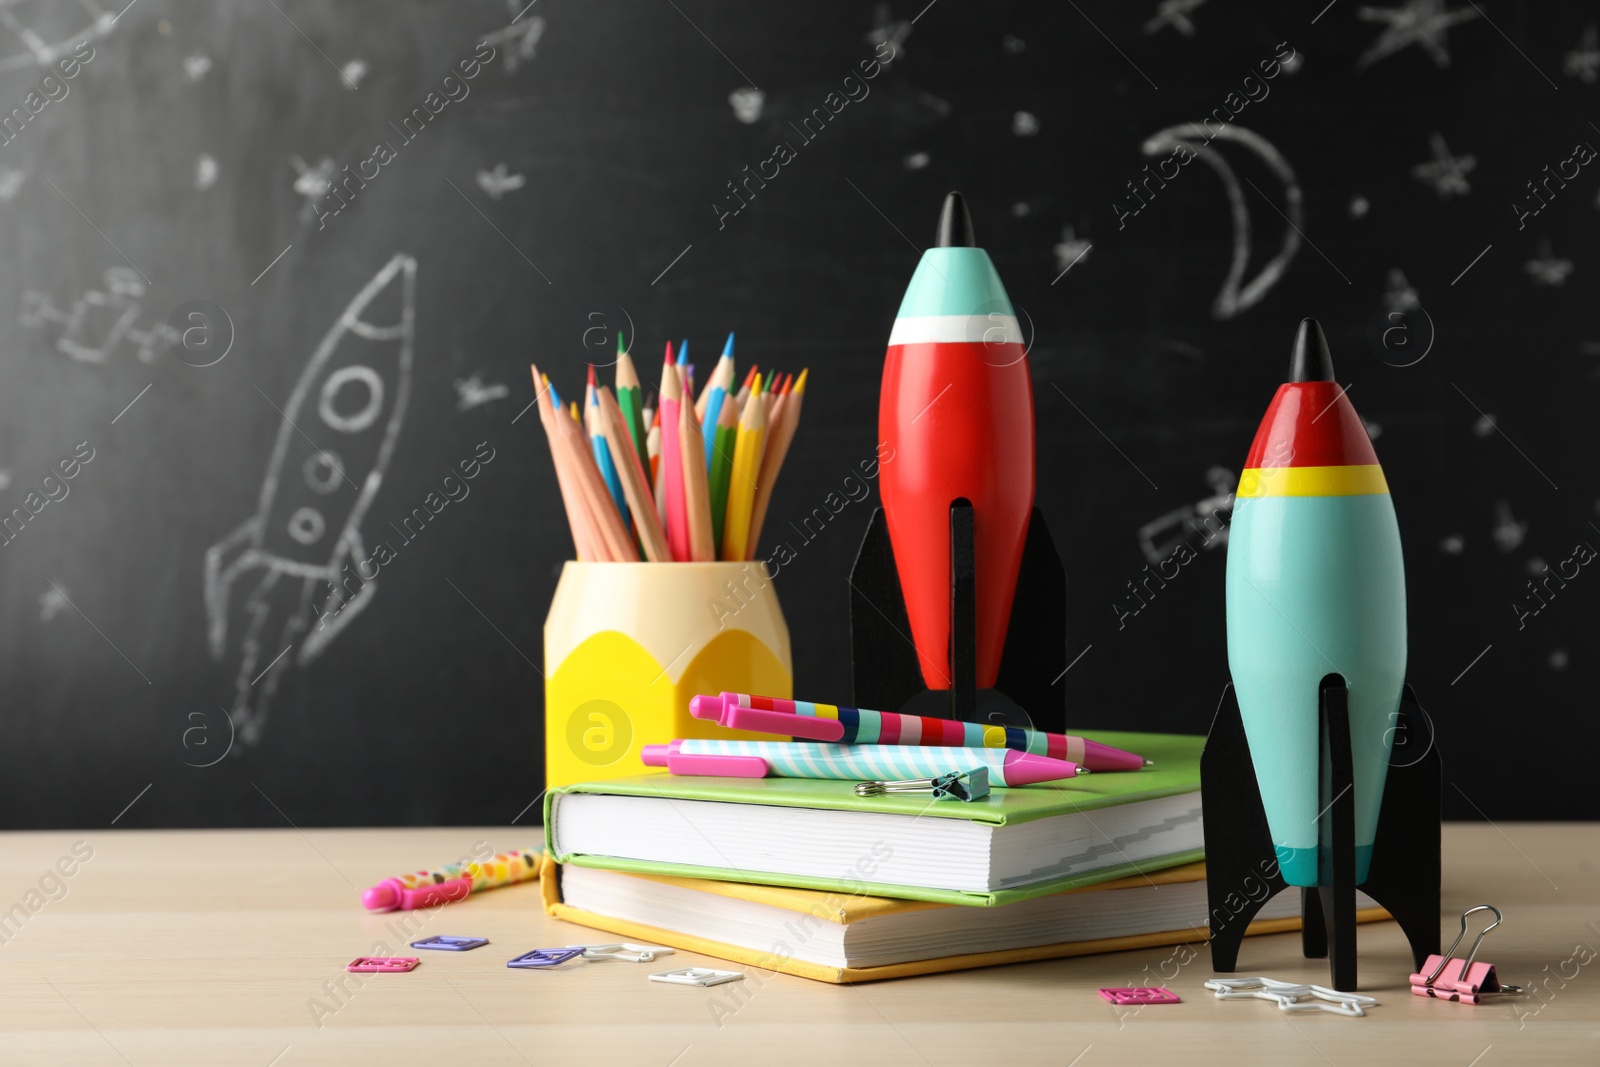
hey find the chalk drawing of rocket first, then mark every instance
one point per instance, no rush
(339, 429)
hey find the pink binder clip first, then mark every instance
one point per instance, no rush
(1464, 981)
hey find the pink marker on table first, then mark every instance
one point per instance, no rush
(859, 726)
(453, 881)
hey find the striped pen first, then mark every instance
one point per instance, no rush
(859, 763)
(859, 726)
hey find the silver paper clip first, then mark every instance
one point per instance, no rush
(1290, 996)
(702, 976)
(625, 951)
(955, 785)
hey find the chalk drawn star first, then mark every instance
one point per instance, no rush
(1583, 62)
(522, 40)
(500, 181)
(312, 183)
(472, 392)
(1401, 295)
(195, 67)
(1547, 268)
(892, 32)
(1418, 22)
(51, 603)
(1174, 13)
(353, 72)
(1071, 249)
(1507, 532)
(1446, 173)
(747, 103)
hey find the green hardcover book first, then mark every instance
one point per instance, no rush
(1013, 845)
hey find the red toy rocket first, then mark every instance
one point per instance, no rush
(957, 410)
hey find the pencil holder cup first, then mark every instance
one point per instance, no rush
(626, 645)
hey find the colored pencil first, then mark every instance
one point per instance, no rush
(613, 541)
(576, 515)
(584, 536)
(629, 401)
(602, 451)
(743, 481)
(685, 368)
(699, 488)
(647, 524)
(726, 441)
(696, 493)
(777, 450)
(744, 390)
(669, 480)
(653, 449)
(709, 406)
(721, 375)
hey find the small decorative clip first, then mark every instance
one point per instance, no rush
(956, 785)
(1461, 980)
(1141, 995)
(624, 951)
(382, 964)
(447, 943)
(545, 957)
(697, 976)
(1290, 996)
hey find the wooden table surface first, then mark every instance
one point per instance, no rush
(216, 947)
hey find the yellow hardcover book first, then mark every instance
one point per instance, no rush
(839, 937)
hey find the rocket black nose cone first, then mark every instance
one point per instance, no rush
(955, 224)
(1311, 361)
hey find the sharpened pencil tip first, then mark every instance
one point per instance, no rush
(668, 358)
(1149, 763)
(727, 349)
(683, 351)
(621, 348)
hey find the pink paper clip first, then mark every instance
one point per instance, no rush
(1141, 995)
(1463, 981)
(382, 964)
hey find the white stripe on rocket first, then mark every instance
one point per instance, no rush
(993, 328)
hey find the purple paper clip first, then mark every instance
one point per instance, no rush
(382, 964)
(451, 944)
(545, 957)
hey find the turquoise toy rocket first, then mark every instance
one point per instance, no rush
(1315, 587)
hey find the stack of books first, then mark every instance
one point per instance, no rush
(807, 878)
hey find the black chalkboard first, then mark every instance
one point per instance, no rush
(1167, 187)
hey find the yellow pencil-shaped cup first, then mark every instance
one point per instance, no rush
(626, 645)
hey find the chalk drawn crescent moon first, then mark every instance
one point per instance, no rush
(1232, 299)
